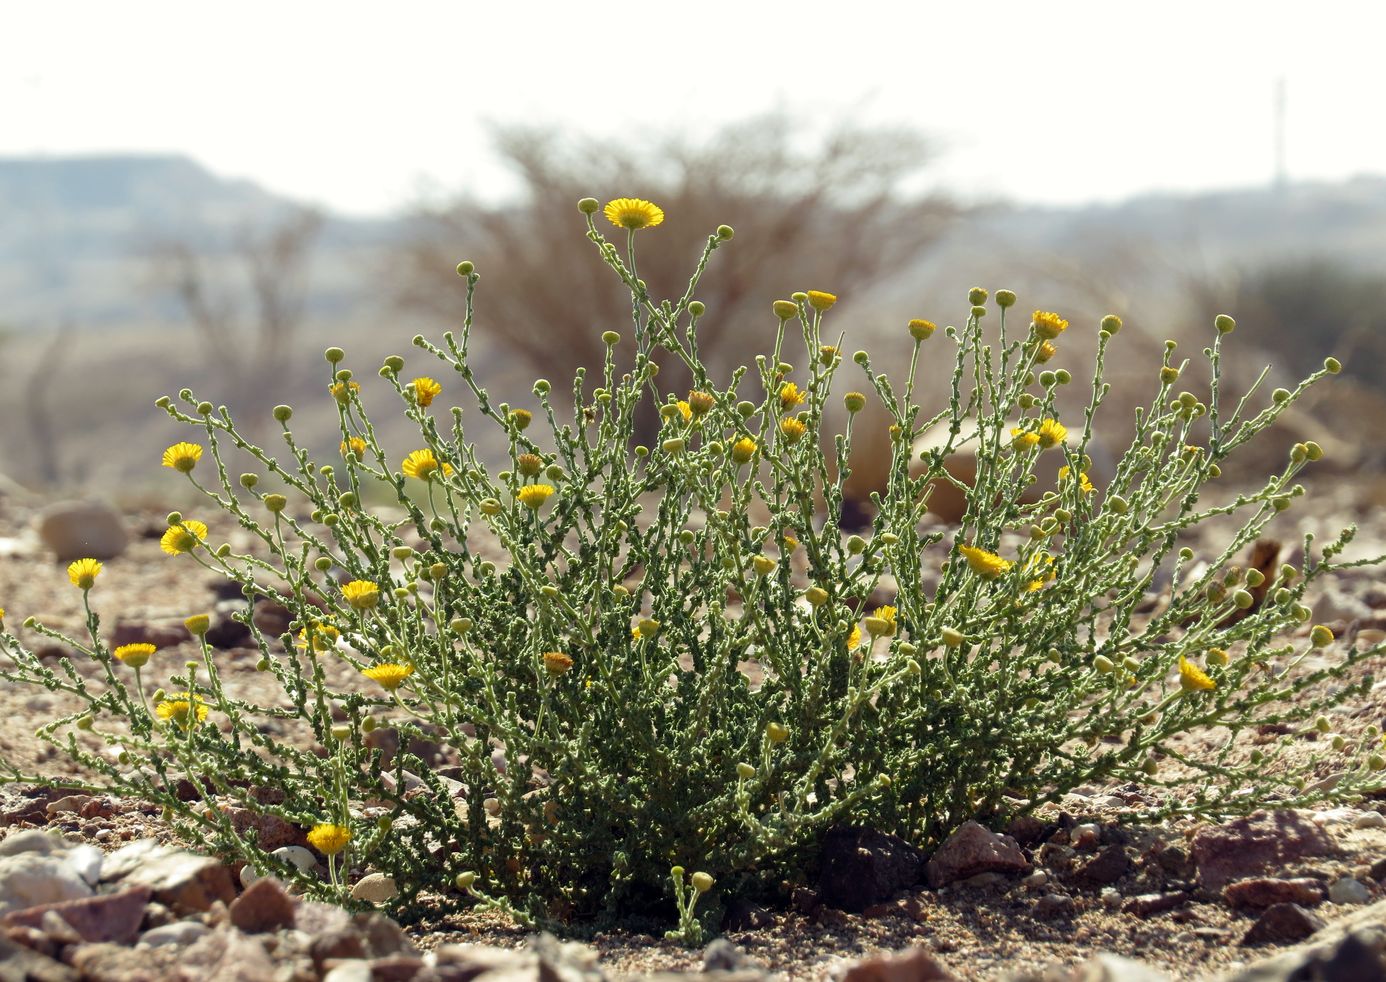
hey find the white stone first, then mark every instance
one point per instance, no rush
(86, 861)
(28, 879)
(82, 530)
(296, 856)
(1349, 891)
(1369, 820)
(181, 933)
(375, 888)
(351, 970)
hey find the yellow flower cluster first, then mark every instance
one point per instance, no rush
(389, 675)
(183, 537)
(790, 396)
(425, 389)
(1048, 325)
(533, 496)
(987, 565)
(422, 465)
(362, 594)
(135, 655)
(329, 839)
(183, 709)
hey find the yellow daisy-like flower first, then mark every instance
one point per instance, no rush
(521, 418)
(1040, 566)
(183, 709)
(1051, 433)
(700, 403)
(790, 396)
(183, 457)
(342, 391)
(83, 573)
(743, 450)
(389, 675)
(921, 329)
(1045, 352)
(329, 839)
(557, 663)
(821, 301)
(325, 637)
(987, 565)
(425, 389)
(1192, 678)
(685, 410)
(881, 622)
(533, 496)
(1048, 325)
(633, 213)
(362, 594)
(792, 429)
(354, 445)
(854, 639)
(423, 465)
(1084, 484)
(183, 538)
(134, 655)
(1022, 440)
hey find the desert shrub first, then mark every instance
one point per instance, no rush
(667, 657)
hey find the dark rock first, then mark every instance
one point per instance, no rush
(745, 916)
(1262, 892)
(861, 867)
(382, 935)
(1353, 960)
(1108, 866)
(226, 632)
(271, 617)
(973, 849)
(916, 965)
(114, 917)
(263, 907)
(336, 944)
(386, 740)
(1027, 830)
(805, 901)
(1053, 906)
(1150, 904)
(722, 956)
(182, 881)
(1280, 923)
(396, 968)
(1255, 844)
(228, 955)
(159, 635)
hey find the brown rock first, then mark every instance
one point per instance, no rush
(396, 968)
(1280, 923)
(271, 617)
(182, 881)
(271, 831)
(226, 632)
(116, 963)
(1053, 906)
(973, 849)
(115, 917)
(1262, 892)
(227, 955)
(1108, 866)
(382, 935)
(82, 530)
(337, 944)
(263, 907)
(21, 963)
(1255, 844)
(862, 867)
(159, 635)
(916, 965)
(1150, 904)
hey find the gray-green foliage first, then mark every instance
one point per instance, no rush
(662, 649)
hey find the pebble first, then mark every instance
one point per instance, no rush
(1369, 820)
(1086, 836)
(1035, 880)
(81, 530)
(1349, 891)
(375, 888)
(29, 879)
(1111, 898)
(180, 933)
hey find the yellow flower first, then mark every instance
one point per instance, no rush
(182, 709)
(341, 391)
(521, 418)
(425, 389)
(1041, 566)
(329, 839)
(354, 445)
(743, 450)
(2, 618)
(1084, 484)
(1051, 433)
(533, 496)
(362, 594)
(83, 573)
(790, 396)
(389, 675)
(854, 639)
(1045, 352)
(135, 655)
(556, 662)
(183, 456)
(1022, 440)
(821, 301)
(183, 538)
(792, 428)
(1192, 678)
(324, 637)
(921, 329)
(1048, 325)
(701, 403)
(424, 466)
(685, 410)
(881, 623)
(987, 565)
(633, 213)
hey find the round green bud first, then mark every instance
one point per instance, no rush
(702, 882)
(952, 637)
(588, 206)
(283, 413)
(1243, 599)
(1299, 453)
(331, 520)
(347, 499)
(1224, 324)
(174, 518)
(466, 267)
(674, 445)
(1376, 762)
(1047, 379)
(1214, 470)
(1320, 636)
(163, 402)
(1103, 664)
(854, 401)
(465, 880)
(745, 771)
(1303, 613)
(697, 308)
(1063, 377)
(275, 502)
(223, 550)
(745, 408)
(610, 338)
(1254, 578)
(1313, 451)
(1217, 657)
(1005, 298)
(1281, 502)
(84, 723)
(263, 665)
(341, 733)
(1063, 516)
(816, 596)
(776, 732)
(1111, 324)
(1332, 366)
(205, 408)
(979, 312)
(394, 363)
(856, 545)
(402, 552)
(541, 387)
(976, 296)
(1280, 396)
(798, 296)
(1169, 374)
(1118, 504)
(785, 309)
(641, 450)
(861, 358)
(1338, 742)
(725, 232)
(322, 564)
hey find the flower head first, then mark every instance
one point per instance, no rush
(134, 655)
(533, 496)
(557, 663)
(183, 709)
(700, 403)
(354, 444)
(329, 839)
(821, 301)
(1041, 567)
(921, 329)
(324, 638)
(1045, 351)
(881, 623)
(854, 639)
(389, 675)
(1051, 433)
(1048, 325)
(423, 465)
(1192, 678)
(521, 418)
(83, 573)
(633, 213)
(1084, 484)
(1023, 439)
(183, 456)
(685, 410)
(987, 565)
(743, 450)
(425, 389)
(342, 391)
(790, 396)
(183, 537)
(362, 594)
(792, 429)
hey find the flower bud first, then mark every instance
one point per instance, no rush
(776, 732)
(725, 232)
(1332, 366)
(283, 413)
(976, 296)
(465, 880)
(394, 363)
(1169, 374)
(198, 624)
(205, 408)
(763, 565)
(816, 596)
(697, 308)
(702, 882)
(1243, 599)
(1005, 298)
(1217, 657)
(785, 309)
(856, 545)
(588, 206)
(334, 355)
(1111, 324)
(1224, 324)
(1313, 451)
(489, 506)
(854, 401)
(952, 637)
(745, 771)
(610, 338)
(276, 503)
(1320, 636)
(1103, 664)
(920, 330)
(674, 445)
(341, 733)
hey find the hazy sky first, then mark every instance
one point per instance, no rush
(357, 105)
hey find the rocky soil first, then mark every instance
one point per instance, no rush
(97, 888)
